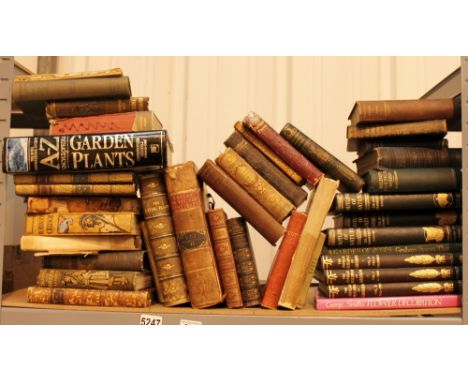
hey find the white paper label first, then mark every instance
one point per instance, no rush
(189, 322)
(149, 319)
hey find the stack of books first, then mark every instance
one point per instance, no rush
(402, 236)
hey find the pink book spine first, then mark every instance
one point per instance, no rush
(385, 303)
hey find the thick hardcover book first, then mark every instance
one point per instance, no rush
(86, 107)
(362, 237)
(241, 201)
(431, 143)
(244, 257)
(280, 267)
(266, 168)
(193, 237)
(420, 180)
(106, 123)
(409, 218)
(375, 202)
(82, 223)
(217, 222)
(98, 152)
(270, 154)
(47, 205)
(384, 303)
(114, 72)
(283, 148)
(391, 289)
(76, 189)
(93, 279)
(89, 297)
(327, 162)
(263, 192)
(81, 178)
(112, 261)
(305, 257)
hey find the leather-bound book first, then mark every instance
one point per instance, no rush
(217, 222)
(266, 168)
(262, 191)
(193, 238)
(327, 162)
(76, 189)
(104, 73)
(82, 178)
(241, 201)
(83, 108)
(281, 263)
(244, 257)
(429, 142)
(89, 297)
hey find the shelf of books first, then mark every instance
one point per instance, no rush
(127, 237)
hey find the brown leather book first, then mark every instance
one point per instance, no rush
(266, 168)
(75, 189)
(281, 263)
(241, 201)
(245, 261)
(283, 148)
(114, 72)
(217, 222)
(193, 238)
(429, 142)
(262, 191)
(82, 178)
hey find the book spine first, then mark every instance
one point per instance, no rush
(82, 178)
(75, 189)
(241, 201)
(244, 257)
(413, 180)
(391, 289)
(359, 237)
(225, 258)
(365, 146)
(89, 297)
(282, 261)
(185, 198)
(328, 163)
(114, 72)
(73, 224)
(262, 191)
(402, 157)
(266, 168)
(283, 148)
(374, 202)
(146, 149)
(361, 261)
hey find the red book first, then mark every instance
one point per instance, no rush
(280, 267)
(106, 123)
(387, 303)
(283, 148)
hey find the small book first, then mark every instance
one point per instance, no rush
(429, 143)
(76, 189)
(77, 178)
(105, 73)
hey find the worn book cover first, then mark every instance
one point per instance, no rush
(114, 72)
(76, 189)
(77, 178)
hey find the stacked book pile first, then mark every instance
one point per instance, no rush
(402, 236)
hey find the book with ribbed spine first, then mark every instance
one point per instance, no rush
(81, 178)
(430, 143)
(76, 189)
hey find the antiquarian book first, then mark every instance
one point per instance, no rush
(262, 191)
(391, 219)
(420, 180)
(265, 150)
(429, 143)
(241, 201)
(193, 238)
(76, 189)
(305, 257)
(141, 150)
(106, 123)
(86, 107)
(112, 261)
(89, 297)
(327, 162)
(82, 223)
(114, 72)
(282, 262)
(407, 157)
(283, 148)
(244, 257)
(362, 237)
(391, 289)
(362, 202)
(384, 303)
(77, 178)
(47, 205)
(267, 169)
(93, 279)
(389, 260)
(365, 112)
(217, 222)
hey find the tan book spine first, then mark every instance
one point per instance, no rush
(76, 224)
(436, 127)
(262, 191)
(75, 189)
(114, 72)
(83, 178)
